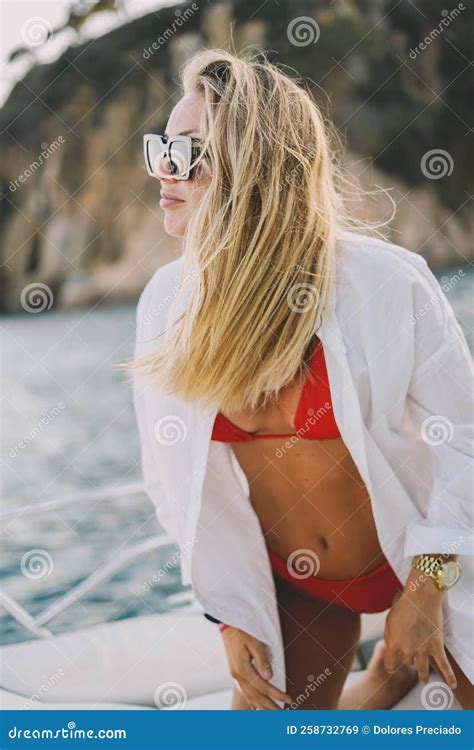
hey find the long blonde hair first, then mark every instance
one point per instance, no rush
(262, 240)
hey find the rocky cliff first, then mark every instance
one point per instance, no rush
(79, 212)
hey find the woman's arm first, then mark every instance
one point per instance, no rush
(250, 666)
(439, 401)
(414, 627)
(143, 395)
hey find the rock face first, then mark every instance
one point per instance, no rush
(420, 222)
(81, 215)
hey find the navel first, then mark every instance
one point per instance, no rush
(323, 543)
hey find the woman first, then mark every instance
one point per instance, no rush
(253, 377)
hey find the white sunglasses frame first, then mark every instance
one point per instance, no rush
(191, 153)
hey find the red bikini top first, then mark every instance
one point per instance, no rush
(314, 418)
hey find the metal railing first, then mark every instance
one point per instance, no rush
(36, 625)
(84, 496)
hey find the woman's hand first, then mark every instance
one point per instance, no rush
(414, 630)
(253, 679)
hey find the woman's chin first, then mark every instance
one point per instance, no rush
(174, 226)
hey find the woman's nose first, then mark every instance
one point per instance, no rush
(165, 170)
(167, 179)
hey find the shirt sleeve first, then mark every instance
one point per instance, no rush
(143, 395)
(441, 406)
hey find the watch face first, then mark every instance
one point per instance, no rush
(449, 573)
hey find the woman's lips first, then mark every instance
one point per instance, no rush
(169, 202)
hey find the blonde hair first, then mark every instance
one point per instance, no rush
(263, 239)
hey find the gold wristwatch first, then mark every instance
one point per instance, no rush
(445, 574)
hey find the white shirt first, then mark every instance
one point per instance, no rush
(400, 374)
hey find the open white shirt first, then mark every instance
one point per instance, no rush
(400, 374)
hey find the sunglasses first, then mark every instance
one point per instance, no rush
(171, 156)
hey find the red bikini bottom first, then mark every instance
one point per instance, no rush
(372, 592)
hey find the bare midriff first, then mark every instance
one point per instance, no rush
(307, 494)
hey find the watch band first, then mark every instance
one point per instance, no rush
(429, 564)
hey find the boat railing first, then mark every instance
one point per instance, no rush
(36, 625)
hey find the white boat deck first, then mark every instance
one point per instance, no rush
(167, 661)
(160, 661)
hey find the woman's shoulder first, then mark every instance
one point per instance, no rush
(160, 292)
(371, 258)
(163, 277)
(375, 274)
(380, 286)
